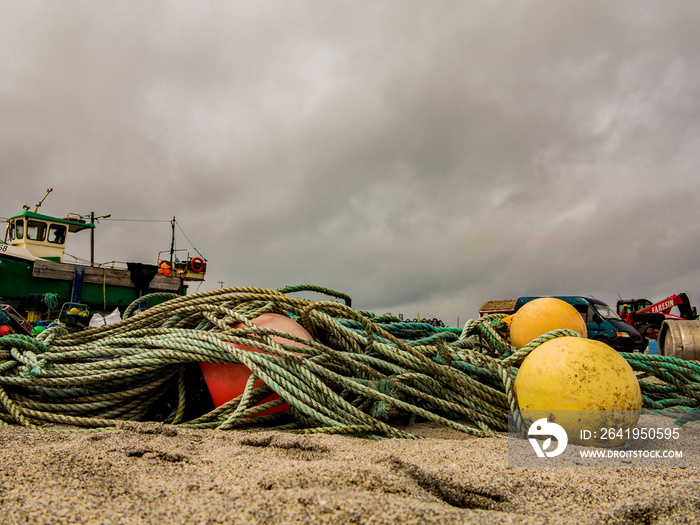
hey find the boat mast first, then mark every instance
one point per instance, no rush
(92, 234)
(92, 239)
(172, 242)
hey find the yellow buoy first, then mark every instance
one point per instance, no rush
(583, 385)
(543, 315)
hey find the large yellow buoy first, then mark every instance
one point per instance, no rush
(583, 385)
(543, 315)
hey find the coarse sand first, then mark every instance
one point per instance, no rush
(153, 473)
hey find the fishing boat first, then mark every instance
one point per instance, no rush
(36, 284)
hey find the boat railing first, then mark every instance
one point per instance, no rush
(120, 265)
(180, 263)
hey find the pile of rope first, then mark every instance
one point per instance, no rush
(362, 374)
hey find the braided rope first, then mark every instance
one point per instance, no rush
(362, 374)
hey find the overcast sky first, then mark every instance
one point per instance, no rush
(422, 157)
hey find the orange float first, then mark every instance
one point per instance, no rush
(227, 381)
(164, 268)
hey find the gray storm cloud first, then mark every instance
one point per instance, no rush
(421, 157)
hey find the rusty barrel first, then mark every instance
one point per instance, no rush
(680, 339)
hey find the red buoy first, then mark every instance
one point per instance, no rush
(227, 381)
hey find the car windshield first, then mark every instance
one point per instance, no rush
(605, 311)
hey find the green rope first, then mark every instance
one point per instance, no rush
(363, 374)
(52, 300)
(318, 289)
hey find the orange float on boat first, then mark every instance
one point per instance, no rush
(227, 381)
(164, 268)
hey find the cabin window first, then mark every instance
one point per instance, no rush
(17, 229)
(57, 233)
(626, 307)
(36, 230)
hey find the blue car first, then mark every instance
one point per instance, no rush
(602, 323)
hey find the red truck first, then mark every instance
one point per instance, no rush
(647, 317)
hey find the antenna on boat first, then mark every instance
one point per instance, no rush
(49, 190)
(38, 204)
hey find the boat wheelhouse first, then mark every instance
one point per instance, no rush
(33, 235)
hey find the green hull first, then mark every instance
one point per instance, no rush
(17, 283)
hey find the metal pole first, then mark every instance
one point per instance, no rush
(172, 242)
(92, 239)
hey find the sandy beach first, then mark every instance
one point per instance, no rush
(153, 473)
